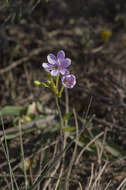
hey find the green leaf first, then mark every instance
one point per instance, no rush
(113, 149)
(69, 128)
(81, 144)
(37, 83)
(42, 84)
(39, 107)
(12, 110)
(67, 116)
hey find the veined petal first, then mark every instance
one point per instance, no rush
(64, 63)
(54, 72)
(64, 72)
(68, 61)
(68, 81)
(61, 54)
(73, 81)
(67, 72)
(46, 66)
(51, 59)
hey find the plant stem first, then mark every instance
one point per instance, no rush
(23, 159)
(57, 80)
(61, 90)
(61, 119)
(6, 151)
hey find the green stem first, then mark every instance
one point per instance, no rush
(23, 159)
(61, 118)
(61, 90)
(57, 81)
(53, 86)
(51, 80)
(6, 151)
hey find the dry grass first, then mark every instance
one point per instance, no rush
(96, 158)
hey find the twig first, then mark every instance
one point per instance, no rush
(74, 153)
(28, 157)
(21, 61)
(65, 138)
(27, 125)
(123, 182)
(80, 186)
(102, 147)
(22, 155)
(92, 141)
(6, 151)
(51, 176)
(61, 121)
(99, 175)
(91, 178)
(48, 168)
(107, 185)
(54, 171)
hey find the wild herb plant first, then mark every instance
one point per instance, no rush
(60, 78)
(57, 68)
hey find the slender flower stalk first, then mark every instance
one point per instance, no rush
(56, 67)
(61, 119)
(57, 80)
(61, 90)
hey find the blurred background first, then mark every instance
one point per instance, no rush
(92, 33)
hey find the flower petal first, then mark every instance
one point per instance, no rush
(64, 72)
(60, 54)
(64, 63)
(68, 81)
(51, 58)
(68, 62)
(67, 72)
(72, 81)
(54, 72)
(46, 66)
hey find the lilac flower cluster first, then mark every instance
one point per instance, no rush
(58, 65)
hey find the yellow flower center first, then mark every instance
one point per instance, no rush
(54, 67)
(67, 82)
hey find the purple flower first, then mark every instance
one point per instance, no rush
(68, 81)
(57, 64)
